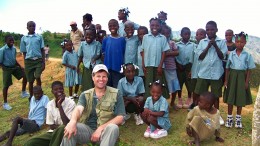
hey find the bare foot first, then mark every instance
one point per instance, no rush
(219, 139)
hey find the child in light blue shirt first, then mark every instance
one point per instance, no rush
(142, 30)
(131, 48)
(154, 46)
(36, 117)
(32, 47)
(132, 88)
(237, 90)
(185, 47)
(211, 51)
(89, 54)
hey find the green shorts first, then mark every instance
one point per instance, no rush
(183, 79)
(33, 69)
(203, 86)
(16, 71)
(193, 84)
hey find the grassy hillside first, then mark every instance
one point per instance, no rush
(130, 134)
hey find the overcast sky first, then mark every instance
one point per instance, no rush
(55, 15)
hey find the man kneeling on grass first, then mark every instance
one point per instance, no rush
(59, 112)
(36, 117)
(102, 108)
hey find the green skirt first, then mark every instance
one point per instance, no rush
(235, 93)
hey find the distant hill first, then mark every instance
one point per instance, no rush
(252, 45)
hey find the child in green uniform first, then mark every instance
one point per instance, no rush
(239, 65)
(10, 67)
(32, 47)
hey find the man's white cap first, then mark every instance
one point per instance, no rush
(99, 67)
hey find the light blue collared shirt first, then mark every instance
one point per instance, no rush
(121, 30)
(8, 56)
(139, 60)
(211, 67)
(131, 90)
(153, 47)
(32, 45)
(131, 49)
(195, 63)
(89, 51)
(70, 58)
(185, 52)
(38, 109)
(244, 61)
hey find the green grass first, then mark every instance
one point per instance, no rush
(130, 134)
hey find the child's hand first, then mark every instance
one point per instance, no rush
(159, 71)
(219, 139)
(209, 44)
(225, 84)
(61, 99)
(188, 131)
(189, 75)
(213, 42)
(73, 67)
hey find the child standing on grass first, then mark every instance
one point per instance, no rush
(36, 117)
(154, 46)
(239, 65)
(132, 88)
(170, 66)
(72, 77)
(185, 47)
(131, 48)
(202, 122)
(11, 67)
(194, 60)
(113, 48)
(156, 113)
(89, 54)
(32, 47)
(211, 51)
(142, 30)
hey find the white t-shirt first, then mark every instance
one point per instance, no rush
(53, 113)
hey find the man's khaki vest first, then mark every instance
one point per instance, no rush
(104, 108)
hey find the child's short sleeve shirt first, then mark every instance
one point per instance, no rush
(32, 45)
(89, 52)
(242, 62)
(185, 52)
(211, 67)
(131, 49)
(8, 56)
(153, 47)
(131, 90)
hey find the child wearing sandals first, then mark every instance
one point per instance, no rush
(202, 122)
(237, 90)
(132, 88)
(156, 113)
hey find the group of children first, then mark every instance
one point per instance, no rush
(154, 66)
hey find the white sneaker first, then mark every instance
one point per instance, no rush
(158, 133)
(137, 121)
(24, 94)
(75, 95)
(71, 97)
(140, 120)
(221, 121)
(147, 132)
(6, 106)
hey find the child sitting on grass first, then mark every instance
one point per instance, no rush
(36, 117)
(203, 121)
(156, 113)
(133, 91)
